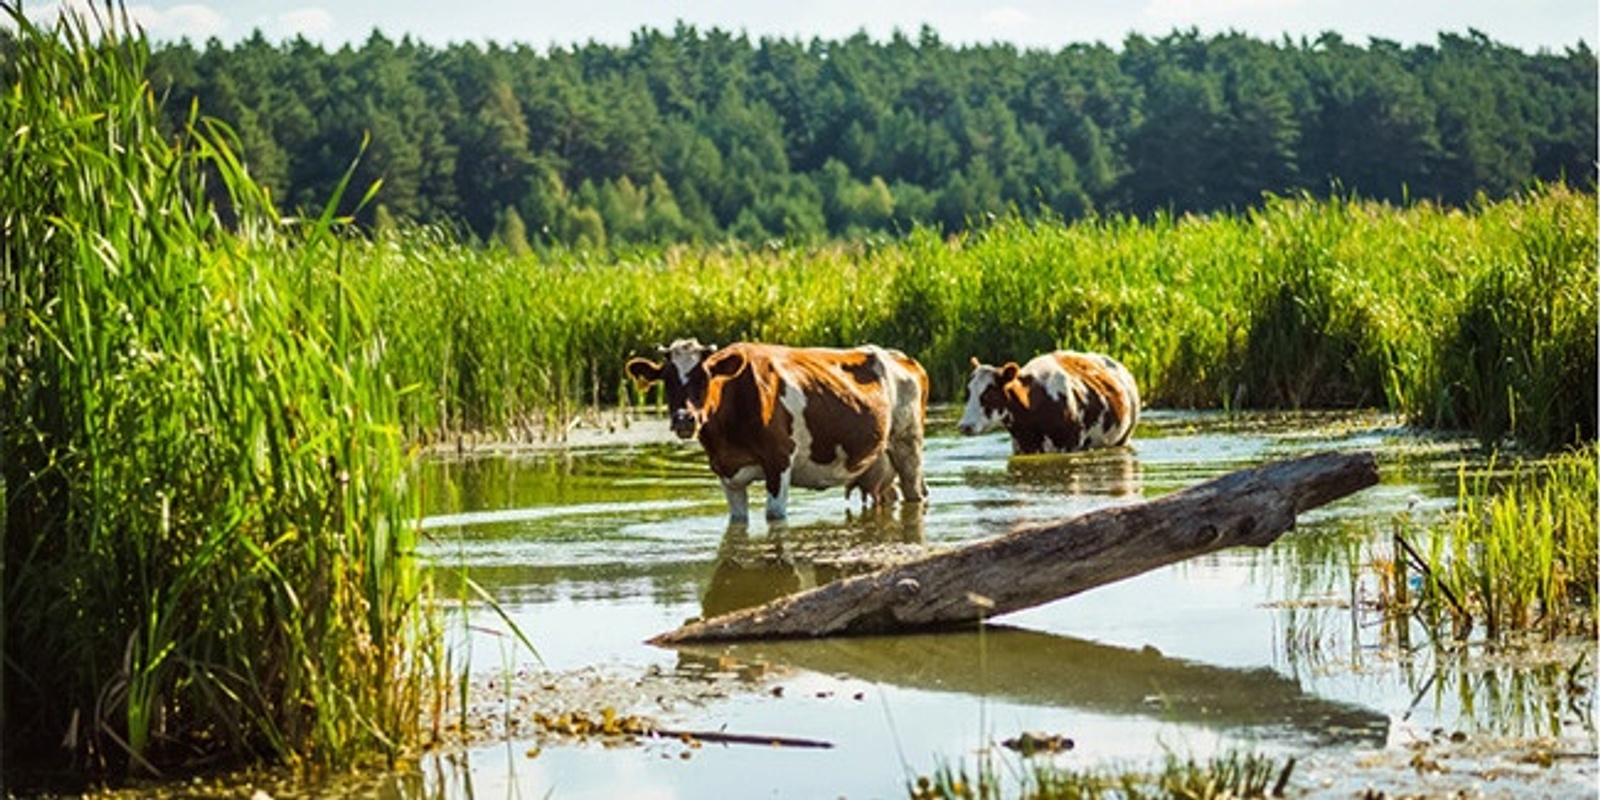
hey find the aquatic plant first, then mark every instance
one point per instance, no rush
(1517, 555)
(1231, 774)
(1518, 358)
(207, 535)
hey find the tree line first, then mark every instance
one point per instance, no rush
(706, 135)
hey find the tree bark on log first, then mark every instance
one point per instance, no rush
(1046, 562)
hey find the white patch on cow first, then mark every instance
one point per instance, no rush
(684, 355)
(803, 471)
(1047, 373)
(737, 490)
(976, 419)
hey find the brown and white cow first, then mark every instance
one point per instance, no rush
(807, 417)
(1058, 402)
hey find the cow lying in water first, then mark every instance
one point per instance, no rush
(1058, 402)
(808, 417)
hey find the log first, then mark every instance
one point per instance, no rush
(1045, 562)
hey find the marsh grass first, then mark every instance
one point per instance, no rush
(1481, 318)
(1518, 555)
(207, 539)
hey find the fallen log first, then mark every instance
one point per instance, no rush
(1046, 562)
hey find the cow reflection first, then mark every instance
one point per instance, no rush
(1115, 472)
(751, 571)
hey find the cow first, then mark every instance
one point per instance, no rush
(808, 417)
(1059, 402)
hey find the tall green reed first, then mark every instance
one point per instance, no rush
(1519, 554)
(207, 539)
(1518, 360)
(1305, 303)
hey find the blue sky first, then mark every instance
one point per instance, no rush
(1526, 24)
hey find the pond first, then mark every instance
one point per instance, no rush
(592, 547)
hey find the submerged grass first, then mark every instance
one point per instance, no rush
(208, 545)
(1228, 775)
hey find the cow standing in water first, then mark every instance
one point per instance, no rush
(1058, 402)
(808, 417)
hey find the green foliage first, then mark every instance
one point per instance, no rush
(1303, 303)
(1516, 556)
(1519, 359)
(704, 135)
(207, 546)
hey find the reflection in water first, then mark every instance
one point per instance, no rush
(1029, 667)
(751, 571)
(1113, 472)
(1544, 693)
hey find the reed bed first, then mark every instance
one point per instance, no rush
(1482, 319)
(207, 538)
(1517, 556)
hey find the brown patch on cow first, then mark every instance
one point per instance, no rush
(839, 409)
(1006, 392)
(1044, 417)
(840, 415)
(1105, 393)
(863, 368)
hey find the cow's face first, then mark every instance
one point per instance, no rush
(986, 398)
(683, 374)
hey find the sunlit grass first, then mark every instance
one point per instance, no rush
(208, 542)
(1517, 556)
(1481, 319)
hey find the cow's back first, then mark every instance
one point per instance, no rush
(1076, 401)
(823, 412)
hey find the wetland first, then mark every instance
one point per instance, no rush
(594, 546)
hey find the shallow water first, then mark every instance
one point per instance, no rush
(594, 547)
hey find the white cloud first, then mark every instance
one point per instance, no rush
(311, 22)
(197, 22)
(1195, 10)
(1006, 17)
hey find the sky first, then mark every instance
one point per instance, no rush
(1529, 25)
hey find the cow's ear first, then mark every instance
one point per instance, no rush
(727, 366)
(976, 363)
(643, 372)
(1008, 373)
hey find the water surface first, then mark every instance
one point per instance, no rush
(592, 548)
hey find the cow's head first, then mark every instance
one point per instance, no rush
(683, 373)
(986, 398)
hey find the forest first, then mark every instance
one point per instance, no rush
(706, 135)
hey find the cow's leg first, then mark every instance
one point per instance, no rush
(906, 455)
(908, 464)
(778, 493)
(738, 500)
(876, 482)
